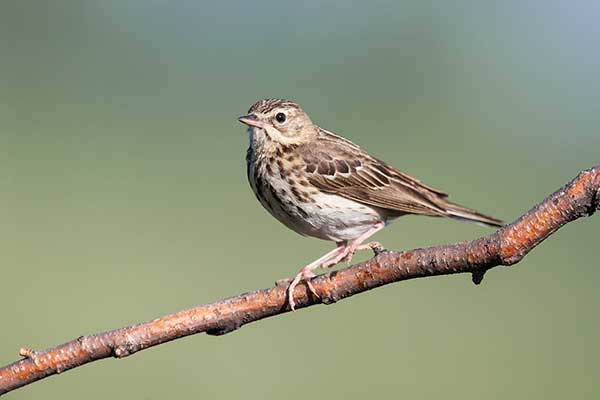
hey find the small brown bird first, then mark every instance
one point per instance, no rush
(322, 185)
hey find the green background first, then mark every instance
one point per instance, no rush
(123, 193)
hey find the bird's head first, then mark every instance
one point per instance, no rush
(273, 122)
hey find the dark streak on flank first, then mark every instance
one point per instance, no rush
(296, 193)
(303, 213)
(284, 205)
(269, 168)
(260, 191)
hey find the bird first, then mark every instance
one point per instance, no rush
(323, 185)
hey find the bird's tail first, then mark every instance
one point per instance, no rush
(466, 214)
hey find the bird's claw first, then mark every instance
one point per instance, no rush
(306, 275)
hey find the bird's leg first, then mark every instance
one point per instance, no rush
(356, 244)
(343, 251)
(307, 273)
(315, 264)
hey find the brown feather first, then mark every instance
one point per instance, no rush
(371, 181)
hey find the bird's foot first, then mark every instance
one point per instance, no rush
(348, 253)
(307, 274)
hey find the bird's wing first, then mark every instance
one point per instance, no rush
(337, 166)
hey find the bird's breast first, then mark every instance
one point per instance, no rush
(282, 186)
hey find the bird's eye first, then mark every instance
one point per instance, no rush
(280, 117)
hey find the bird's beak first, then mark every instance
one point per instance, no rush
(251, 120)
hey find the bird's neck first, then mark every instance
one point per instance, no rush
(263, 145)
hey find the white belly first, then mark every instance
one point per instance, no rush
(338, 218)
(325, 216)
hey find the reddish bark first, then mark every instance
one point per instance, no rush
(507, 246)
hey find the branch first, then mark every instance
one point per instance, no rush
(507, 246)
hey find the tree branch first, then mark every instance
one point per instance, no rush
(507, 246)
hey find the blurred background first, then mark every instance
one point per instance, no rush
(124, 196)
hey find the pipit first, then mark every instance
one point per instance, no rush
(322, 185)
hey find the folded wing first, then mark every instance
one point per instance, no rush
(340, 167)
